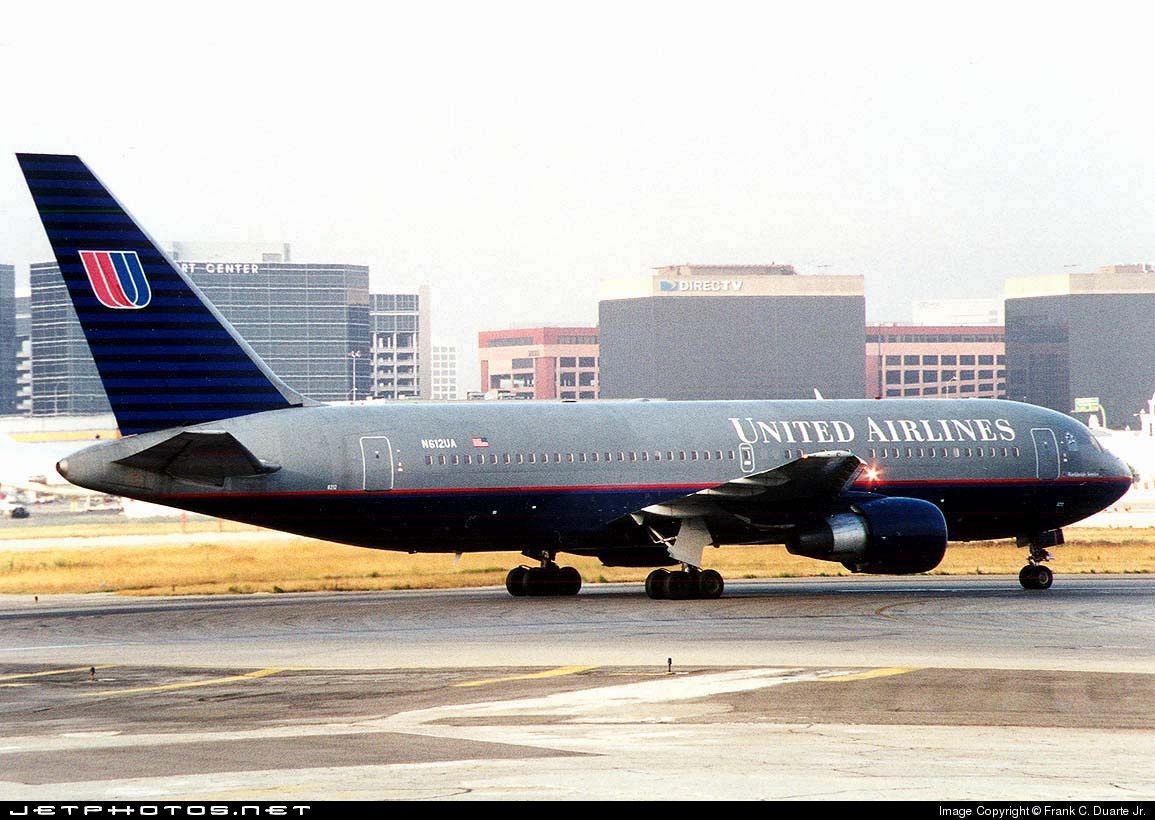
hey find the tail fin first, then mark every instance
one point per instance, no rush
(166, 356)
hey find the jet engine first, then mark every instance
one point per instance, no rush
(887, 536)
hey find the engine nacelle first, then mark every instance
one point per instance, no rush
(887, 536)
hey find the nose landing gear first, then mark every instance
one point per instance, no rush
(1034, 575)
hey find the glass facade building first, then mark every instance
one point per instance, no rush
(64, 377)
(8, 343)
(304, 320)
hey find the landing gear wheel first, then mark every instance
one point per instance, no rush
(710, 584)
(680, 585)
(570, 581)
(517, 582)
(1036, 576)
(657, 586)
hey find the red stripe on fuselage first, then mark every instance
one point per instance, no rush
(877, 486)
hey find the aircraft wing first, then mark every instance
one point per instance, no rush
(812, 476)
(207, 457)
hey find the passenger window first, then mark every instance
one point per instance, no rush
(657, 455)
(441, 460)
(429, 460)
(521, 458)
(456, 460)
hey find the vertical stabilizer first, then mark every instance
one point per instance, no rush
(166, 356)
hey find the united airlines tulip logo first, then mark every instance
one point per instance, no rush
(117, 278)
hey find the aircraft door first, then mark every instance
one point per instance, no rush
(376, 463)
(1046, 453)
(746, 453)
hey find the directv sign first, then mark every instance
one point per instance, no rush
(699, 285)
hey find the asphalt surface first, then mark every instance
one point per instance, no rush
(922, 688)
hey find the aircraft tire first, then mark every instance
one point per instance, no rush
(656, 584)
(680, 586)
(571, 581)
(517, 582)
(710, 584)
(1036, 576)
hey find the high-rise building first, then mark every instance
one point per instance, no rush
(8, 339)
(732, 332)
(401, 345)
(1078, 341)
(539, 363)
(303, 319)
(64, 377)
(444, 373)
(929, 361)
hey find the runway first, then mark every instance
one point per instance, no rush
(924, 688)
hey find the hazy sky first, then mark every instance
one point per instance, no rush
(512, 155)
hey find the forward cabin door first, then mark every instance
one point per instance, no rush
(376, 463)
(1046, 453)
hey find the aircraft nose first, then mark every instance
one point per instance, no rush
(62, 467)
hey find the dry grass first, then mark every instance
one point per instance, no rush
(202, 564)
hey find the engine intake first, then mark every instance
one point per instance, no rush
(887, 536)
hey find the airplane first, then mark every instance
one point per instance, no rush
(877, 485)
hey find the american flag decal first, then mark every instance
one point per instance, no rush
(117, 278)
(480, 441)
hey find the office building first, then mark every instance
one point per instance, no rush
(934, 361)
(1077, 341)
(539, 363)
(732, 332)
(9, 342)
(401, 345)
(444, 373)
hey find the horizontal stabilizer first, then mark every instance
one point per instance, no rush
(206, 457)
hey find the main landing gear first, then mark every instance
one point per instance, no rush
(1034, 575)
(679, 585)
(548, 579)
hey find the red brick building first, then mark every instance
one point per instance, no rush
(539, 363)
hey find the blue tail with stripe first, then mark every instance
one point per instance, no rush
(166, 356)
